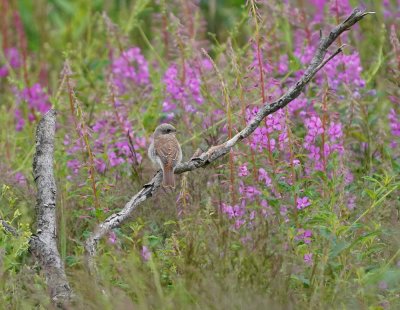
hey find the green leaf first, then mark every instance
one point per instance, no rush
(338, 248)
(301, 279)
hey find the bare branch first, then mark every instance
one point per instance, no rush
(218, 151)
(43, 244)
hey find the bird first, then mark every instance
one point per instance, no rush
(165, 151)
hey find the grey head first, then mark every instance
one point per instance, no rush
(164, 129)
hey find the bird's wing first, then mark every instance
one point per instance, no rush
(168, 149)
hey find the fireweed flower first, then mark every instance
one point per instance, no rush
(19, 119)
(266, 209)
(236, 211)
(319, 6)
(344, 69)
(249, 192)
(37, 101)
(351, 202)
(304, 236)
(36, 98)
(112, 237)
(13, 58)
(74, 165)
(111, 146)
(302, 202)
(283, 211)
(129, 69)
(262, 139)
(242, 215)
(263, 177)
(183, 90)
(243, 171)
(340, 7)
(308, 258)
(145, 253)
(313, 141)
(20, 178)
(394, 122)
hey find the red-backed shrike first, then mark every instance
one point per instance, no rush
(165, 152)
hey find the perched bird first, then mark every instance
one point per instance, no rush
(165, 152)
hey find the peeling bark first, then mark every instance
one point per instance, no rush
(43, 244)
(216, 152)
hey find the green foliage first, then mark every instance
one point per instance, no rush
(197, 258)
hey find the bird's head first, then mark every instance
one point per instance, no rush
(164, 129)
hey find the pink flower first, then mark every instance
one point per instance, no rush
(263, 176)
(235, 211)
(20, 121)
(37, 98)
(145, 253)
(243, 171)
(304, 235)
(14, 59)
(283, 210)
(394, 122)
(183, 93)
(266, 209)
(114, 159)
(302, 203)
(250, 192)
(74, 165)
(100, 165)
(112, 237)
(296, 162)
(239, 223)
(335, 131)
(130, 68)
(20, 178)
(351, 203)
(308, 258)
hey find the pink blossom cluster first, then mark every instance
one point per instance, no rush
(130, 70)
(391, 9)
(303, 202)
(14, 60)
(183, 87)
(337, 7)
(304, 235)
(145, 253)
(344, 70)
(270, 136)
(35, 99)
(340, 7)
(318, 150)
(112, 147)
(239, 214)
(394, 121)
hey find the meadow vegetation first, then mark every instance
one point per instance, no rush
(304, 214)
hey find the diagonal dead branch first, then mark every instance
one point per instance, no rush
(43, 244)
(218, 151)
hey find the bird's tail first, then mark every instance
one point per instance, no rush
(168, 177)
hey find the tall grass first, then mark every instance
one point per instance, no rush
(302, 215)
